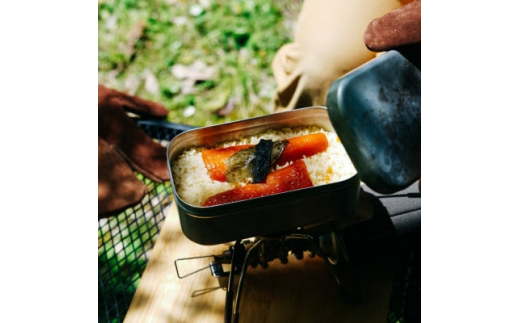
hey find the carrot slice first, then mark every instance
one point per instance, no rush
(215, 160)
(292, 177)
(297, 148)
(303, 146)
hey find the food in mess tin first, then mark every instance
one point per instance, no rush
(272, 162)
(292, 177)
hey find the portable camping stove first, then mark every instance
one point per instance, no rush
(322, 240)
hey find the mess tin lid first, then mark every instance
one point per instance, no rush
(376, 111)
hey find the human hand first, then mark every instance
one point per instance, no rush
(399, 28)
(123, 147)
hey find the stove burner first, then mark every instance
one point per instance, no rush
(322, 240)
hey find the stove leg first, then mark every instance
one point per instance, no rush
(231, 310)
(228, 311)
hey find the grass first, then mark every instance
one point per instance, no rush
(207, 61)
(196, 58)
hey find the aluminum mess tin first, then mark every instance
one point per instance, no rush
(268, 215)
(376, 110)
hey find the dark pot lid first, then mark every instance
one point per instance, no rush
(376, 111)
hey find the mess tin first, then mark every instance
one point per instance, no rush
(266, 215)
(374, 109)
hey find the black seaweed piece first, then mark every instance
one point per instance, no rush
(262, 161)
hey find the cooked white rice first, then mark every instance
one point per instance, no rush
(194, 185)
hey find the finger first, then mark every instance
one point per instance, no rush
(112, 98)
(144, 107)
(398, 28)
(118, 188)
(141, 151)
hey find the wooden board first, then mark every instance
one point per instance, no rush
(300, 291)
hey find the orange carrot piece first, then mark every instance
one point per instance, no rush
(297, 148)
(292, 177)
(215, 160)
(301, 146)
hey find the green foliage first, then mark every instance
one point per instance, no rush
(141, 41)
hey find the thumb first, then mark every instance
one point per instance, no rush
(398, 28)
